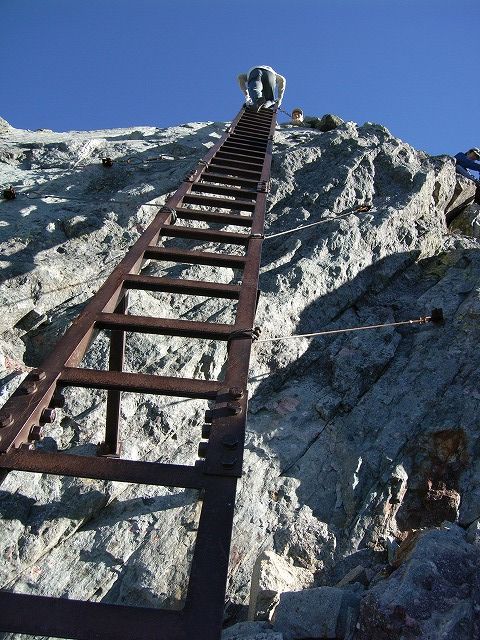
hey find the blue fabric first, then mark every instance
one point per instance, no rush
(464, 162)
(261, 84)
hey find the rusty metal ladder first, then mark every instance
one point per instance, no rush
(233, 176)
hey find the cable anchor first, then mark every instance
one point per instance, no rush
(254, 334)
(437, 316)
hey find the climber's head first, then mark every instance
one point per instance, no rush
(297, 115)
(474, 153)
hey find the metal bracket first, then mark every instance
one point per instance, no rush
(263, 186)
(224, 433)
(104, 452)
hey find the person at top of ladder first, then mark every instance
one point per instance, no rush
(467, 162)
(258, 86)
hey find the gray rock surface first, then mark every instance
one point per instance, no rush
(251, 631)
(353, 440)
(433, 594)
(468, 222)
(325, 612)
(4, 127)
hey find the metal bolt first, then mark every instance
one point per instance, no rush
(202, 449)
(29, 387)
(236, 392)
(48, 415)
(230, 442)
(229, 463)
(35, 433)
(6, 420)
(38, 374)
(234, 408)
(206, 431)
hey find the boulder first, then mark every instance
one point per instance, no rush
(328, 122)
(272, 575)
(467, 222)
(324, 612)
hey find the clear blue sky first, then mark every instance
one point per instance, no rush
(412, 65)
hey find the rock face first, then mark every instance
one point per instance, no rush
(441, 568)
(354, 441)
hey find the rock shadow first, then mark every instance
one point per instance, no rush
(334, 376)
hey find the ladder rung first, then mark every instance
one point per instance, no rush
(220, 167)
(263, 115)
(63, 618)
(102, 468)
(249, 139)
(139, 383)
(209, 176)
(205, 235)
(255, 127)
(223, 191)
(209, 216)
(240, 158)
(221, 203)
(239, 148)
(164, 326)
(187, 287)
(254, 132)
(259, 116)
(244, 147)
(196, 257)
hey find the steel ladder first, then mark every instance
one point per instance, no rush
(233, 177)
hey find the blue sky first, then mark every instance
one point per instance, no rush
(412, 65)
